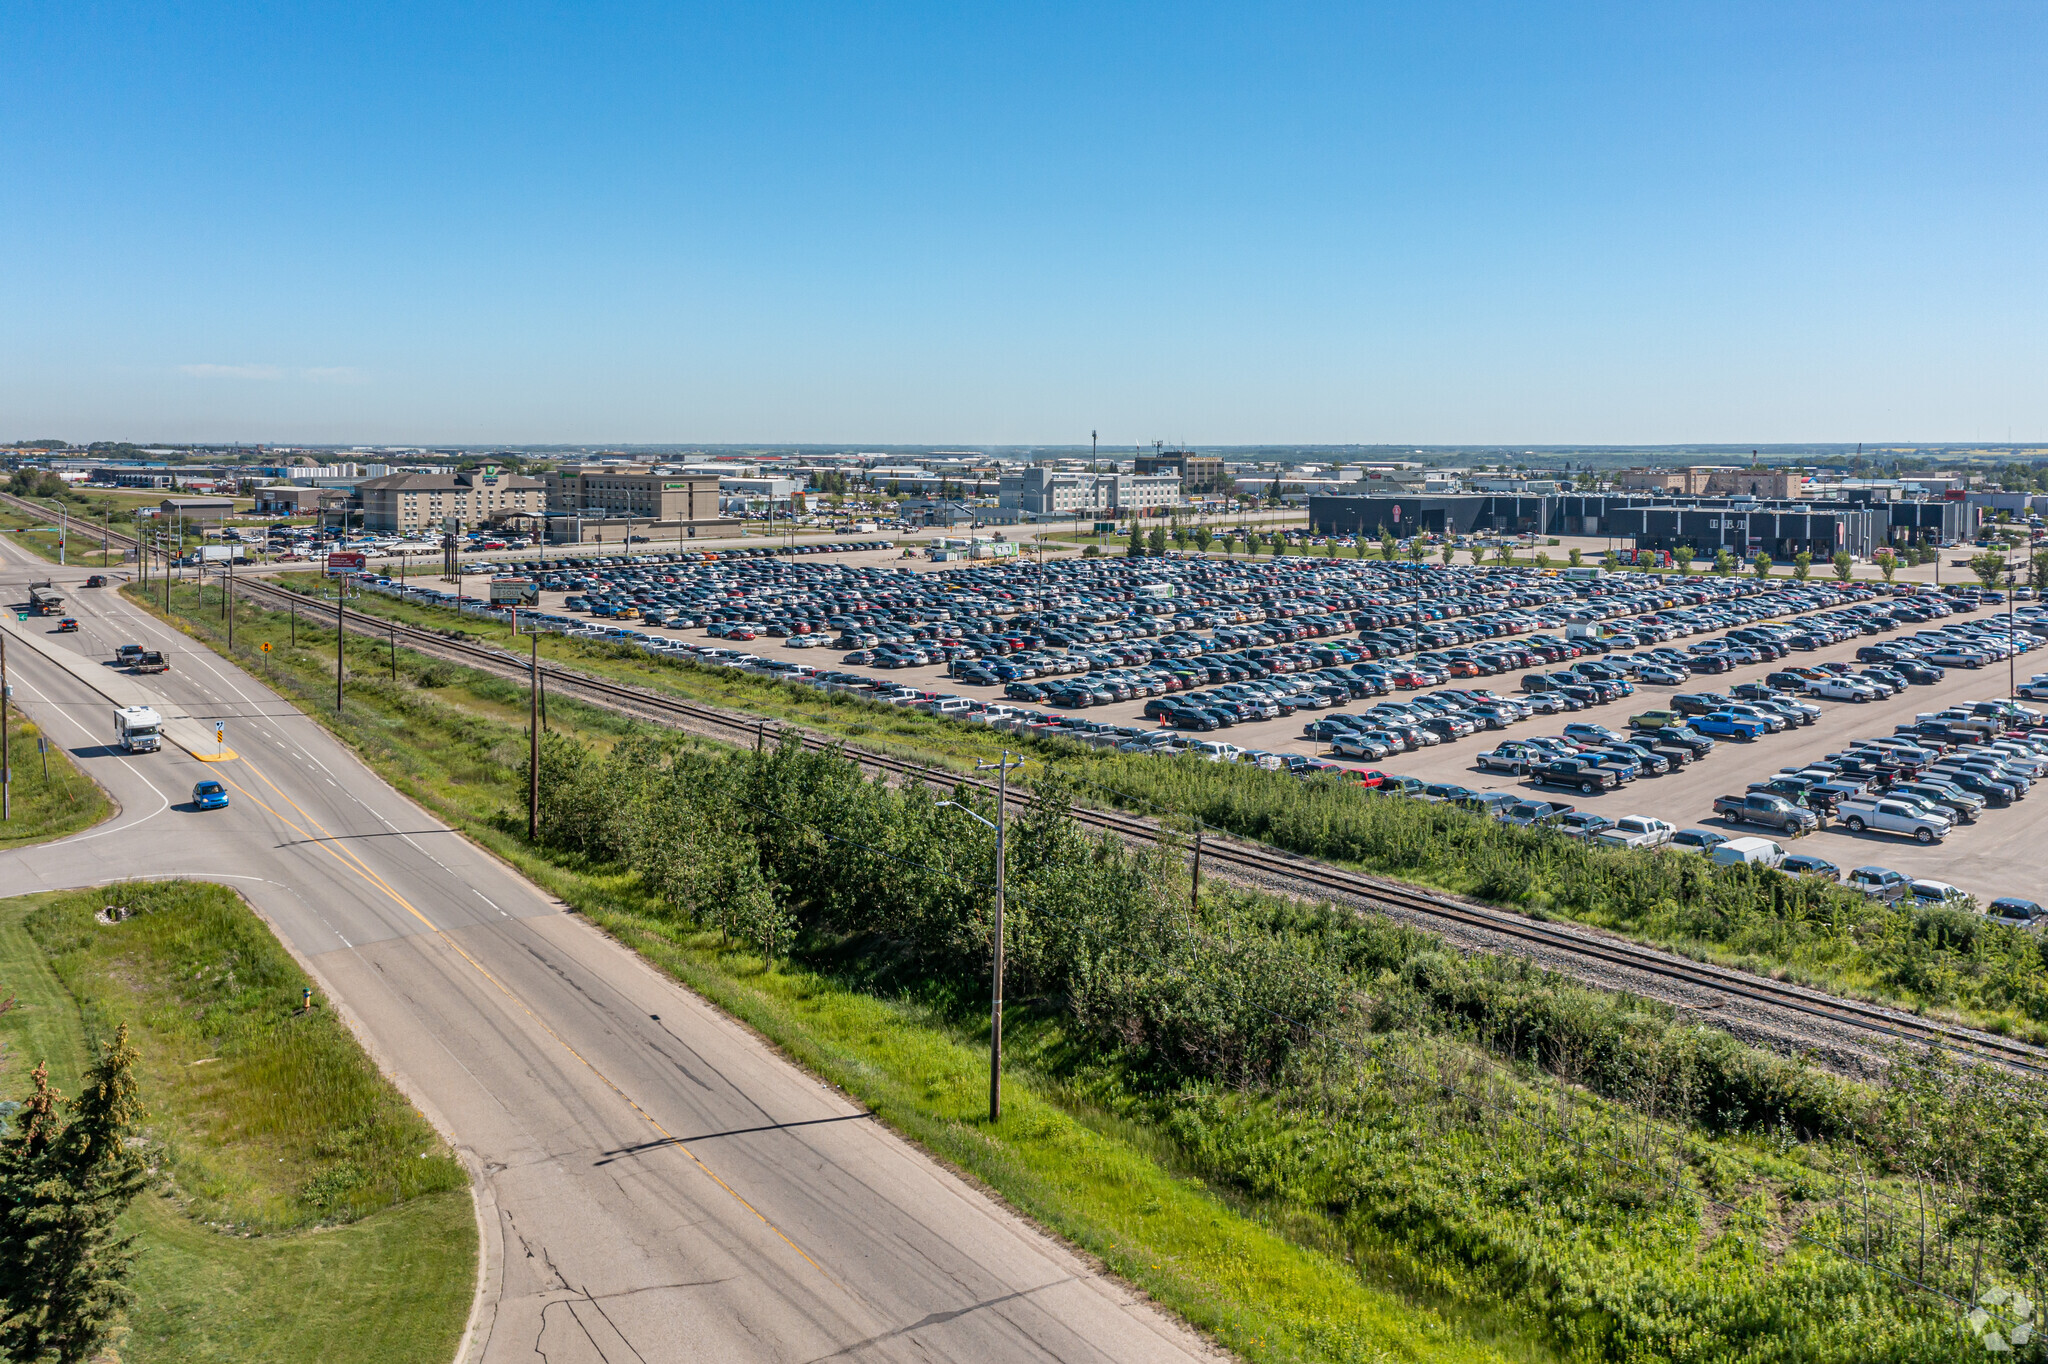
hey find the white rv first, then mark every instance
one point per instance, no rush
(137, 729)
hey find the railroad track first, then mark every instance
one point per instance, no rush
(1225, 852)
(1218, 848)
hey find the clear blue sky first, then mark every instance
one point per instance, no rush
(1513, 222)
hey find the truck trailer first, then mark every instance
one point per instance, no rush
(44, 599)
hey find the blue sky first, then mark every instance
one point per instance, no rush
(1509, 222)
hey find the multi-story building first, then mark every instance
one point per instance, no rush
(1045, 491)
(635, 492)
(417, 504)
(1715, 480)
(1197, 473)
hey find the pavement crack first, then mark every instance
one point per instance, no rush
(940, 1319)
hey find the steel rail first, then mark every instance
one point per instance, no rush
(1220, 847)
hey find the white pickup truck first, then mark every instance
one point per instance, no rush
(1891, 817)
(1636, 831)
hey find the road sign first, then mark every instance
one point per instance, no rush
(265, 646)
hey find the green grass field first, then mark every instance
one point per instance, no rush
(302, 1209)
(51, 797)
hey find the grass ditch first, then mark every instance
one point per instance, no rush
(1948, 963)
(300, 1208)
(51, 798)
(1394, 1211)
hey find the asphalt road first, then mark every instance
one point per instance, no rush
(654, 1183)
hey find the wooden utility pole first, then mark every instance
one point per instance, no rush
(995, 1009)
(337, 644)
(533, 742)
(6, 767)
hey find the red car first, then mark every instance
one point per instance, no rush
(1368, 777)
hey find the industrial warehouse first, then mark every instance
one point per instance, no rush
(1780, 528)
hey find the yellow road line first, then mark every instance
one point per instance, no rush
(347, 857)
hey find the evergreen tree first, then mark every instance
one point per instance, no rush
(1155, 543)
(63, 1267)
(1137, 545)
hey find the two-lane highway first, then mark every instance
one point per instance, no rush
(655, 1183)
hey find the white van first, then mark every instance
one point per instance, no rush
(1751, 852)
(1216, 752)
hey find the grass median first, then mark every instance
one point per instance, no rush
(300, 1208)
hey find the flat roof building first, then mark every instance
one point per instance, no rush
(421, 504)
(632, 491)
(198, 509)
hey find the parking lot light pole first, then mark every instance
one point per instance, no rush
(2012, 653)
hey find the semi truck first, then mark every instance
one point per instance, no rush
(137, 729)
(44, 599)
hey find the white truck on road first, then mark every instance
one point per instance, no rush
(137, 729)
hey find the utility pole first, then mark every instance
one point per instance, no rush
(6, 766)
(227, 594)
(533, 742)
(995, 1009)
(1195, 885)
(338, 584)
(995, 1013)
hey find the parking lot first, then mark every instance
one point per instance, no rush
(1245, 614)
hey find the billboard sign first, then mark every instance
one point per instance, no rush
(342, 561)
(514, 592)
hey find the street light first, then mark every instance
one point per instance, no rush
(995, 1011)
(63, 525)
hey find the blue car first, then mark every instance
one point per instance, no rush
(209, 795)
(1728, 724)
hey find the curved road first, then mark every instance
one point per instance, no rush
(654, 1183)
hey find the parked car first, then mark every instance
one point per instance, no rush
(2017, 913)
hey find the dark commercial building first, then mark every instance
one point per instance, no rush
(1744, 525)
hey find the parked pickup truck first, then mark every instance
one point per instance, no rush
(1583, 777)
(1727, 724)
(1892, 817)
(1637, 831)
(1770, 811)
